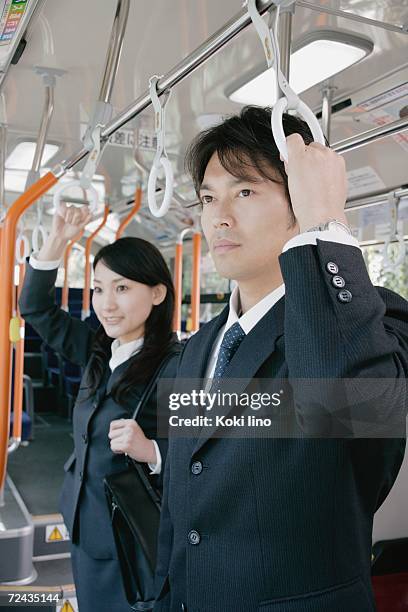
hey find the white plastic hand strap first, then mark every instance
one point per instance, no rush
(160, 159)
(38, 231)
(290, 100)
(94, 157)
(392, 264)
(22, 248)
(91, 193)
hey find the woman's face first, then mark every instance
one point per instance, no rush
(123, 305)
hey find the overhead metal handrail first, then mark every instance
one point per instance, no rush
(328, 10)
(375, 200)
(361, 140)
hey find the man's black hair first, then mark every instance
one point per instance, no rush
(244, 141)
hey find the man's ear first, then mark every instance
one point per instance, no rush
(159, 294)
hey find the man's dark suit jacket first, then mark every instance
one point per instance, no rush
(285, 525)
(82, 502)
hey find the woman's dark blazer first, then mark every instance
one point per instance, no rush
(82, 501)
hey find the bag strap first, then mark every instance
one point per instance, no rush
(148, 390)
(154, 494)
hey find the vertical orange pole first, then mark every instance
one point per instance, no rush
(19, 367)
(67, 254)
(136, 207)
(86, 293)
(195, 288)
(178, 287)
(7, 252)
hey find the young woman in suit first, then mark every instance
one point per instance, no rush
(133, 299)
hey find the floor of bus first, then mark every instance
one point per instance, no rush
(37, 469)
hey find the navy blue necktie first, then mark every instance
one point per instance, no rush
(229, 346)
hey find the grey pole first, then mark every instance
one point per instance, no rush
(114, 50)
(46, 120)
(285, 39)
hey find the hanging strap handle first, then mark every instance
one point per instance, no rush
(90, 191)
(289, 100)
(160, 159)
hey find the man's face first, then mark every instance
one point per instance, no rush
(245, 222)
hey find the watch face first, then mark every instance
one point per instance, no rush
(338, 227)
(332, 225)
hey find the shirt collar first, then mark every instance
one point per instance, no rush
(122, 352)
(248, 320)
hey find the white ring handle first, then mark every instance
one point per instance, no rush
(90, 191)
(38, 231)
(22, 240)
(277, 125)
(168, 192)
(402, 248)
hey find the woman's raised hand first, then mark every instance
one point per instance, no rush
(66, 224)
(68, 221)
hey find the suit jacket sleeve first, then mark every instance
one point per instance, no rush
(67, 335)
(333, 340)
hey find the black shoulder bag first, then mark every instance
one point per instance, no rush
(134, 506)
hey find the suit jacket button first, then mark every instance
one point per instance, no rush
(332, 267)
(85, 438)
(81, 476)
(338, 281)
(194, 537)
(95, 404)
(196, 468)
(345, 296)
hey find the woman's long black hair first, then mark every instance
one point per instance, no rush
(140, 261)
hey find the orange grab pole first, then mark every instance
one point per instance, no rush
(136, 207)
(178, 280)
(67, 254)
(86, 293)
(19, 367)
(195, 289)
(178, 287)
(7, 253)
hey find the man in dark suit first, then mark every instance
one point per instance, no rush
(282, 524)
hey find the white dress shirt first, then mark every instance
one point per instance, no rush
(120, 352)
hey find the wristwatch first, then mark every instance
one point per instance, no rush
(332, 224)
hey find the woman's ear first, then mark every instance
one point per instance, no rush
(159, 294)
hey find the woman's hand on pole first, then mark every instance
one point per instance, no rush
(66, 224)
(127, 437)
